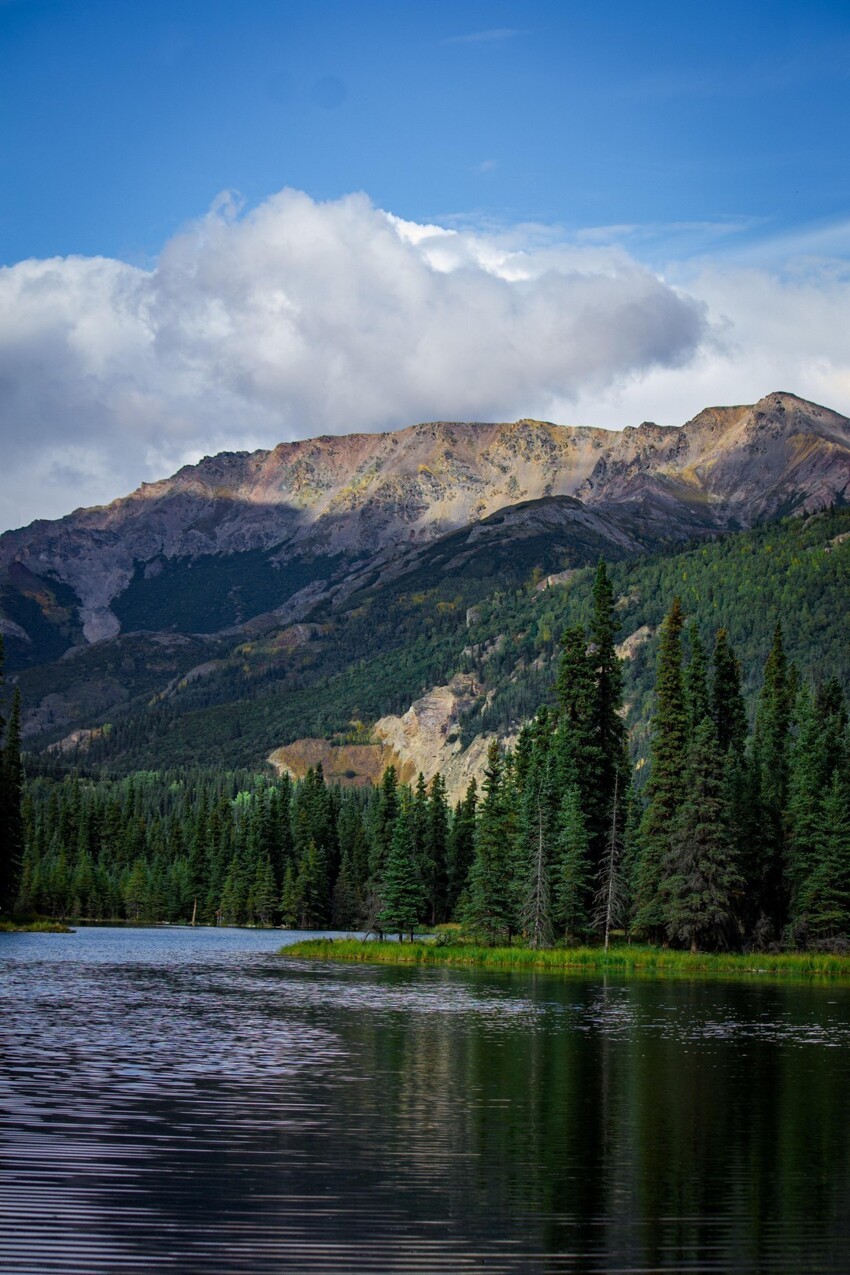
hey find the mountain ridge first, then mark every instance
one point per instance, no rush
(320, 510)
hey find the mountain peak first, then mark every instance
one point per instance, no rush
(319, 509)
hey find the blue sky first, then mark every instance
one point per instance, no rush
(696, 153)
(124, 119)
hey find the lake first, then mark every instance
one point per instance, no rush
(186, 1100)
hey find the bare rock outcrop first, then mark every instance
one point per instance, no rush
(425, 739)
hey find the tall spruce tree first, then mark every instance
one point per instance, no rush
(577, 756)
(770, 758)
(666, 784)
(824, 898)
(809, 776)
(696, 681)
(403, 897)
(701, 878)
(727, 700)
(461, 848)
(572, 875)
(609, 729)
(537, 830)
(490, 909)
(612, 893)
(345, 909)
(384, 822)
(436, 851)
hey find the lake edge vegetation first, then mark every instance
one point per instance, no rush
(620, 958)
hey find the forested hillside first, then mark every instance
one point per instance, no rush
(796, 572)
(393, 642)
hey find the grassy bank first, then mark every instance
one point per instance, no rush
(634, 958)
(34, 927)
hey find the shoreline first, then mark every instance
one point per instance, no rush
(625, 959)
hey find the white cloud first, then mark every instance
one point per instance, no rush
(300, 318)
(770, 331)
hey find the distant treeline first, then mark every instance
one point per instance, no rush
(739, 838)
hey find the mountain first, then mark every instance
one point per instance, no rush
(243, 534)
(253, 599)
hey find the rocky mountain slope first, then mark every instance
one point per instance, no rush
(272, 532)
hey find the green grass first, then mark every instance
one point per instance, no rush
(634, 958)
(34, 927)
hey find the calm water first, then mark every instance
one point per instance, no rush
(185, 1100)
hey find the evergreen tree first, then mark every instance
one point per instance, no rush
(419, 823)
(696, 681)
(401, 889)
(702, 878)
(577, 750)
(312, 888)
(436, 851)
(354, 847)
(384, 823)
(490, 909)
(824, 900)
(461, 850)
(612, 893)
(135, 891)
(609, 731)
(536, 837)
(280, 830)
(666, 784)
(727, 700)
(770, 756)
(573, 873)
(290, 899)
(263, 898)
(345, 902)
(809, 777)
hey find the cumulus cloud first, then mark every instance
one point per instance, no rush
(299, 318)
(781, 326)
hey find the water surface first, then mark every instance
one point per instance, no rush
(186, 1100)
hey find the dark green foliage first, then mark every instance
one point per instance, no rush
(727, 700)
(609, 730)
(666, 785)
(823, 908)
(436, 852)
(347, 905)
(770, 760)
(731, 842)
(572, 872)
(818, 760)
(402, 895)
(45, 609)
(736, 583)
(461, 849)
(415, 634)
(701, 878)
(577, 746)
(208, 593)
(696, 681)
(383, 824)
(612, 891)
(538, 808)
(490, 908)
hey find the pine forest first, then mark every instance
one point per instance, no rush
(733, 834)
